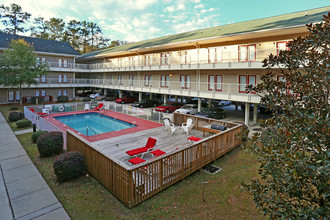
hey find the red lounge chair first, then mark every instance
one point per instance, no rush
(142, 150)
(157, 153)
(136, 160)
(41, 114)
(99, 107)
(192, 138)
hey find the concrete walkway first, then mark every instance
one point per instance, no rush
(24, 194)
(23, 131)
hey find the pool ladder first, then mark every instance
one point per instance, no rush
(89, 128)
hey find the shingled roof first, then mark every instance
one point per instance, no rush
(282, 21)
(40, 45)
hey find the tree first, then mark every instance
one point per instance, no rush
(40, 30)
(56, 28)
(84, 33)
(73, 28)
(13, 17)
(18, 66)
(294, 149)
(94, 30)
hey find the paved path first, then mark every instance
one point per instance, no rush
(24, 194)
(23, 131)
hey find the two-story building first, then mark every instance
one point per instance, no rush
(59, 56)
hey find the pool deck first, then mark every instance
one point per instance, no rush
(142, 124)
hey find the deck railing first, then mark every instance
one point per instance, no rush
(132, 186)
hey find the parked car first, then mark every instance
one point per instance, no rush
(94, 95)
(216, 113)
(262, 108)
(188, 109)
(170, 107)
(146, 103)
(195, 101)
(110, 97)
(128, 99)
(221, 103)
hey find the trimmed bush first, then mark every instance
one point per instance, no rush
(86, 99)
(34, 99)
(62, 98)
(15, 116)
(50, 143)
(69, 165)
(23, 123)
(13, 108)
(36, 135)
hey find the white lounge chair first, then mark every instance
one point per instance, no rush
(170, 127)
(186, 127)
(87, 107)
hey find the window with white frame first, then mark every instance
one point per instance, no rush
(214, 55)
(120, 79)
(252, 52)
(247, 53)
(245, 80)
(147, 80)
(165, 58)
(148, 60)
(215, 82)
(281, 46)
(131, 79)
(164, 80)
(185, 57)
(110, 79)
(185, 81)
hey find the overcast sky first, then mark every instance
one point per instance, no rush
(135, 20)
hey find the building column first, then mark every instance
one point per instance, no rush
(209, 103)
(120, 94)
(176, 98)
(165, 99)
(151, 96)
(255, 113)
(199, 105)
(247, 113)
(140, 96)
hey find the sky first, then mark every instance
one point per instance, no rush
(136, 20)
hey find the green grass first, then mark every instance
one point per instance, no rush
(85, 198)
(5, 110)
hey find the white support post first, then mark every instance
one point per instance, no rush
(176, 98)
(151, 96)
(255, 113)
(247, 113)
(140, 96)
(165, 99)
(199, 107)
(120, 94)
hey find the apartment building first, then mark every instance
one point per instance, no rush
(59, 56)
(215, 63)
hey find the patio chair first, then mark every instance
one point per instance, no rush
(87, 107)
(157, 153)
(170, 127)
(136, 160)
(45, 110)
(193, 139)
(106, 108)
(186, 127)
(100, 107)
(41, 114)
(142, 150)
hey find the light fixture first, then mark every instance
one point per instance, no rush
(171, 74)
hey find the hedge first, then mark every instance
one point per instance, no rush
(15, 116)
(23, 123)
(50, 143)
(36, 135)
(34, 98)
(69, 165)
(62, 98)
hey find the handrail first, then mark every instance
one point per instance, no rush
(91, 129)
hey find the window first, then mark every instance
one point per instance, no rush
(185, 81)
(148, 60)
(59, 78)
(131, 79)
(214, 55)
(131, 61)
(43, 92)
(215, 82)
(59, 92)
(41, 60)
(43, 78)
(283, 79)
(164, 80)
(120, 62)
(65, 63)
(185, 57)
(37, 93)
(62, 78)
(164, 59)
(62, 63)
(11, 95)
(120, 79)
(247, 53)
(281, 46)
(245, 80)
(65, 78)
(111, 79)
(64, 92)
(147, 81)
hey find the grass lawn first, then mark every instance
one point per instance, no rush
(5, 110)
(85, 198)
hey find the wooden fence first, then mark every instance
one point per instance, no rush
(132, 186)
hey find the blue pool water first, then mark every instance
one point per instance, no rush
(95, 122)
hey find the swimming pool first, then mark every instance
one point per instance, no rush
(93, 123)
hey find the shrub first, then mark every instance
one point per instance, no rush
(62, 98)
(86, 99)
(69, 165)
(15, 116)
(36, 135)
(13, 108)
(50, 143)
(23, 123)
(34, 99)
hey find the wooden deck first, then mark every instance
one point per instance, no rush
(115, 148)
